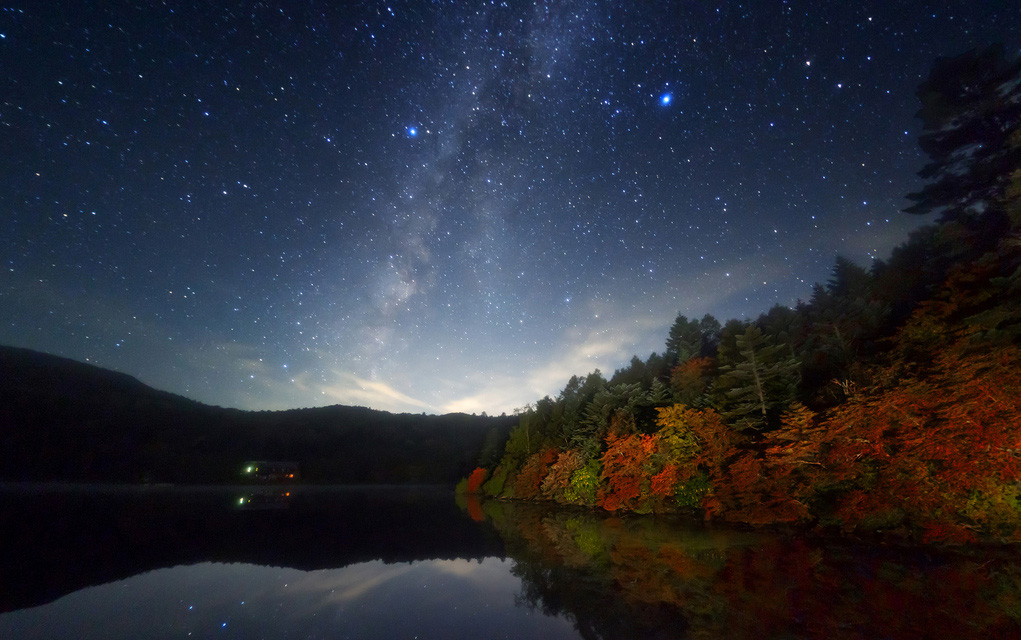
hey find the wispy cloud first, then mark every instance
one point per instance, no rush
(605, 347)
(349, 389)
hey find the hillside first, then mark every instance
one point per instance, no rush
(69, 421)
(889, 401)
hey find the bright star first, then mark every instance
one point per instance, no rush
(412, 132)
(665, 99)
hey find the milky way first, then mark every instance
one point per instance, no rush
(442, 206)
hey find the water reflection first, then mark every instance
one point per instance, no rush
(650, 578)
(401, 562)
(424, 599)
(54, 541)
(263, 499)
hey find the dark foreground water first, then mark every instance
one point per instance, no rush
(409, 563)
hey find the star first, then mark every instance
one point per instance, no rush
(554, 163)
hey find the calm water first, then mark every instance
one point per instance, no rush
(407, 563)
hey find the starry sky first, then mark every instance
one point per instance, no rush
(442, 206)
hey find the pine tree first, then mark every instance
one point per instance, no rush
(971, 106)
(684, 340)
(691, 338)
(758, 384)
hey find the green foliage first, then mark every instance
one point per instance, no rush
(758, 381)
(584, 484)
(586, 536)
(996, 507)
(494, 486)
(676, 435)
(519, 444)
(689, 493)
(691, 338)
(684, 340)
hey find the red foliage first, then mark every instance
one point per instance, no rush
(475, 508)
(750, 492)
(528, 482)
(476, 479)
(925, 447)
(663, 483)
(624, 469)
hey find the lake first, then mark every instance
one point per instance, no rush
(400, 562)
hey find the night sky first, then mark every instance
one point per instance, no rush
(442, 206)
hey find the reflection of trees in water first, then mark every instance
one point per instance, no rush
(643, 577)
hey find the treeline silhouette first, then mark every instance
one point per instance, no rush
(69, 421)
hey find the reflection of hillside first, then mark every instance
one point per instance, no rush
(58, 542)
(645, 577)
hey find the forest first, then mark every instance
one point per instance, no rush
(889, 401)
(68, 421)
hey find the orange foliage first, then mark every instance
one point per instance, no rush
(663, 483)
(559, 477)
(690, 378)
(528, 482)
(925, 447)
(715, 439)
(476, 479)
(624, 469)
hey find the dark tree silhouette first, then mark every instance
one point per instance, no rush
(971, 106)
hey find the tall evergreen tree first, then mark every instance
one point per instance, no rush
(684, 340)
(691, 338)
(710, 328)
(971, 107)
(758, 384)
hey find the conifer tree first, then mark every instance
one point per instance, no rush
(758, 383)
(971, 108)
(684, 340)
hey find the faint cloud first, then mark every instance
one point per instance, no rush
(606, 348)
(349, 389)
(501, 395)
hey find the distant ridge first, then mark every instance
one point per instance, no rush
(30, 371)
(64, 420)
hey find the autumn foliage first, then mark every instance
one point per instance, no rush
(932, 448)
(626, 467)
(475, 480)
(528, 482)
(888, 402)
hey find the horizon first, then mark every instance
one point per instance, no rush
(425, 209)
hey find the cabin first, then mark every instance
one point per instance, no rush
(270, 471)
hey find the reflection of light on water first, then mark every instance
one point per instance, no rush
(264, 499)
